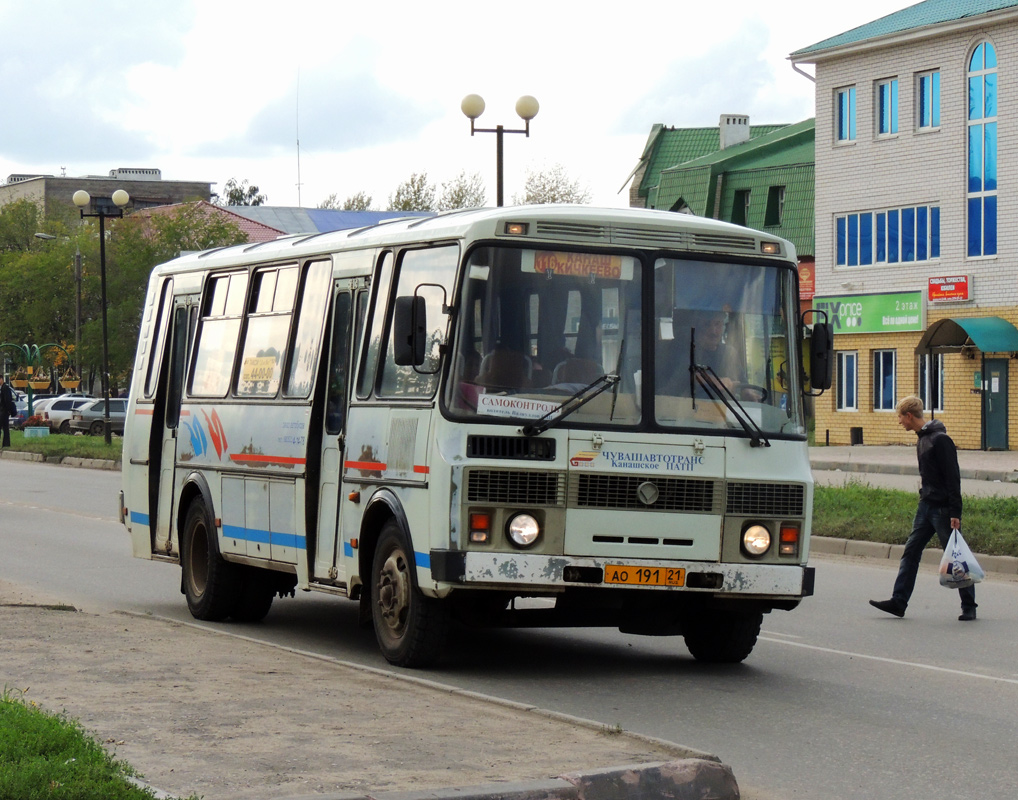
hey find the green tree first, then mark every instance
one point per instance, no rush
(19, 221)
(358, 202)
(240, 194)
(463, 191)
(414, 194)
(552, 186)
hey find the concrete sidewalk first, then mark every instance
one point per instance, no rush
(986, 465)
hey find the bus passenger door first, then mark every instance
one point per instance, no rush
(328, 565)
(181, 330)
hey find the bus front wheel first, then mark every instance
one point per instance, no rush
(410, 628)
(721, 637)
(210, 584)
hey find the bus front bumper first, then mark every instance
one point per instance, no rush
(519, 571)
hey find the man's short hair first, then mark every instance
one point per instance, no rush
(910, 405)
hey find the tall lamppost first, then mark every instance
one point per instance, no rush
(103, 208)
(526, 107)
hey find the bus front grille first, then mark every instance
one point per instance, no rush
(624, 492)
(516, 487)
(511, 447)
(766, 499)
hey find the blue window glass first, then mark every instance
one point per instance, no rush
(990, 162)
(935, 232)
(842, 242)
(935, 100)
(908, 234)
(976, 97)
(887, 107)
(991, 57)
(975, 237)
(990, 103)
(881, 237)
(976, 63)
(990, 225)
(975, 158)
(853, 240)
(921, 234)
(865, 238)
(846, 114)
(892, 236)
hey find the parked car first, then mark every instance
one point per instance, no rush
(89, 418)
(18, 420)
(57, 412)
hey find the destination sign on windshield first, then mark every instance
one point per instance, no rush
(579, 265)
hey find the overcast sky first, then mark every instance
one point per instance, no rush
(215, 89)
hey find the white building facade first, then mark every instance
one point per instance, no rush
(916, 238)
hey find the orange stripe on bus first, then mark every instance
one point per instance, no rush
(421, 470)
(374, 466)
(144, 412)
(265, 459)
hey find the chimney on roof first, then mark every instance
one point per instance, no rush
(734, 129)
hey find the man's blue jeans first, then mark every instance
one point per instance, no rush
(928, 521)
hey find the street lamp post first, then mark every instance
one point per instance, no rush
(526, 107)
(103, 208)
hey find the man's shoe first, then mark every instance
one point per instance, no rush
(892, 607)
(967, 614)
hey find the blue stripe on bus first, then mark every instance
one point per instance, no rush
(138, 517)
(423, 559)
(265, 537)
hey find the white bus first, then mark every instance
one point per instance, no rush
(531, 416)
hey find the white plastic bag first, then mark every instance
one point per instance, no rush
(959, 568)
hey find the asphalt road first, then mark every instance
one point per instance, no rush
(837, 701)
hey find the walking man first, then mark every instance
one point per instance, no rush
(939, 510)
(7, 410)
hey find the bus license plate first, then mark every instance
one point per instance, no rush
(629, 575)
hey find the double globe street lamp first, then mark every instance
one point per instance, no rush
(104, 208)
(526, 107)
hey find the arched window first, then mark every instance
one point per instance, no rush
(982, 151)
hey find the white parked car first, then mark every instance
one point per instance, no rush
(58, 410)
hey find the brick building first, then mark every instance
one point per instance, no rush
(916, 247)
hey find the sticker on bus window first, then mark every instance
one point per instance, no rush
(578, 265)
(258, 368)
(500, 405)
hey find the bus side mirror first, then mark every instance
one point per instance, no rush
(409, 328)
(821, 352)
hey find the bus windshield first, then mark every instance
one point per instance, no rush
(535, 327)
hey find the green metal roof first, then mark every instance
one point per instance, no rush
(988, 334)
(668, 147)
(921, 15)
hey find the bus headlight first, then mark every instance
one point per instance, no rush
(756, 540)
(523, 530)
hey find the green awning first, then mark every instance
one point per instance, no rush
(988, 334)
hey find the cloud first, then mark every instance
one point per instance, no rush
(64, 86)
(733, 72)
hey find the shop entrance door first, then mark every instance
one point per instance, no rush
(995, 404)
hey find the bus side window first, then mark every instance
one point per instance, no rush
(223, 308)
(308, 337)
(268, 329)
(178, 358)
(159, 328)
(376, 323)
(423, 272)
(339, 358)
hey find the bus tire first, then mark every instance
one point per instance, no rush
(210, 584)
(721, 637)
(257, 590)
(410, 628)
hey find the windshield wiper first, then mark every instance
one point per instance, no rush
(717, 390)
(572, 403)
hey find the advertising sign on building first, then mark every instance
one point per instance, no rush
(807, 280)
(949, 288)
(893, 312)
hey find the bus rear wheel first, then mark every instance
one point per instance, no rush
(257, 590)
(410, 628)
(210, 584)
(721, 637)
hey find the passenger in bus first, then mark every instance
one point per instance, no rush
(504, 368)
(707, 330)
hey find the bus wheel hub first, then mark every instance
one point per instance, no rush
(394, 591)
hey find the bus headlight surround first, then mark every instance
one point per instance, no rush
(523, 530)
(756, 540)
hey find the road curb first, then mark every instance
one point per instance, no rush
(831, 545)
(989, 475)
(692, 778)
